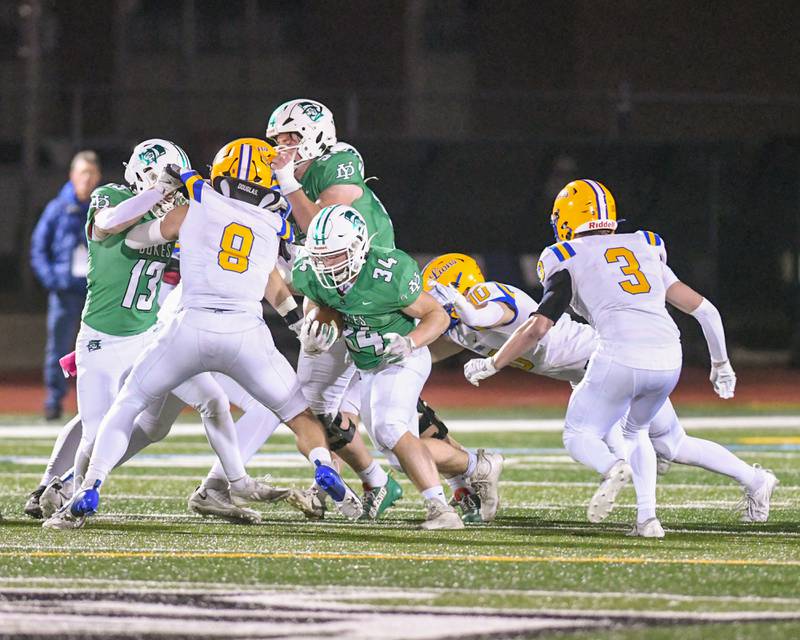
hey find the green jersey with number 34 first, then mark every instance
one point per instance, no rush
(122, 283)
(388, 282)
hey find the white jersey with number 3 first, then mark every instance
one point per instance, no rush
(562, 354)
(619, 283)
(228, 250)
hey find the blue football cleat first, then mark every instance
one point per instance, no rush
(86, 502)
(347, 502)
(73, 514)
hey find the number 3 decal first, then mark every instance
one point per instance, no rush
(235, 247)
(630, 267)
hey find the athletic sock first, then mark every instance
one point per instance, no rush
(472, 462)
(714, 457)
(435, 493)
(64, 450)
(374, 475)
(320, 455)
(643, 464)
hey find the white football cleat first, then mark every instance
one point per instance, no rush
(310, 502)
(663, 465)
(485, 481)
(259, 491)
(212, 498)
(602, 502)
(648, 529)
(756, 498)
(441, 516)
(55, 496)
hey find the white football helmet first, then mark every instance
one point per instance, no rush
(349, 148)
(147, 161)
(311, 120)
(337, 244)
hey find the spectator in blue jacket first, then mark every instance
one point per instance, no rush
(59, 259)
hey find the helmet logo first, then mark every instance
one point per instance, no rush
(152, 154)
(345, 171)
(312, 110)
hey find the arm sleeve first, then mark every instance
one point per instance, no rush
(557, 295)
(40, 247)
(128, 210)
(488, 315)
(147, 234)
(711, 323)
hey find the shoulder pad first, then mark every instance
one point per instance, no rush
(652, 238)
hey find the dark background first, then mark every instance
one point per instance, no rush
(471, 114)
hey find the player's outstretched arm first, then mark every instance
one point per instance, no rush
(112, 220)
(159, 231)
(486, 315)
(280, 298)
(433, 320)
(686, 299)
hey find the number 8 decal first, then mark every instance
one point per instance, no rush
(235, 247)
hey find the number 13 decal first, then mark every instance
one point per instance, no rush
(629, 265)
(235, 247)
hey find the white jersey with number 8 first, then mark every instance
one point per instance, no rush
(228, 249)
(619, 283)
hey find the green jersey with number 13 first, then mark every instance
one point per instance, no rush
(388, 282)
(122, 283)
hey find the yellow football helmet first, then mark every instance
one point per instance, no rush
(453, 270)
(241, 170)
(583, 205)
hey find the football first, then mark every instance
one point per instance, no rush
(326, 314)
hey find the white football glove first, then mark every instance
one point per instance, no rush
(167, 182)
(723, 378)
(317, 337)
(398, 349)
(442, 294)
(285, 177)
(479, 369)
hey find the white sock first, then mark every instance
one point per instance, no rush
(241, 484)
(714, 457)
(321, 455)
(590, 450)
(643, 463)
(253, 428)
(457, 482)
(435, 493)
(472, 462)
(374, 475)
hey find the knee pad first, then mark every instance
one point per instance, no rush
(338, 436)
(430, 426)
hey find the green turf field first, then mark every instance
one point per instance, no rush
(712, 577)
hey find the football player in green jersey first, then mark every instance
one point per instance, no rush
(378, 292)
(314, 170)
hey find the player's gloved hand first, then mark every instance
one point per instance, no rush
(169, 180)
(398, 348)
(283, 167)
(68, 365)
(723, 378)
(442, 294)
(479, 369)
(317, 337)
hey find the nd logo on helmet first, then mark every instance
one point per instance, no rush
(311, 110)
(151, 154)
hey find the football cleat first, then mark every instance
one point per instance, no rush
(73, 514)
(376, 500)
(55, 496)
(485, 481)
(441, 516)
(648, 529)
(32, 506)
(346, 501)
(470, 505)
(212, 498)
(311, 502)
(756, 498)
(259, 491)
(663, 465)
(602, 502)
